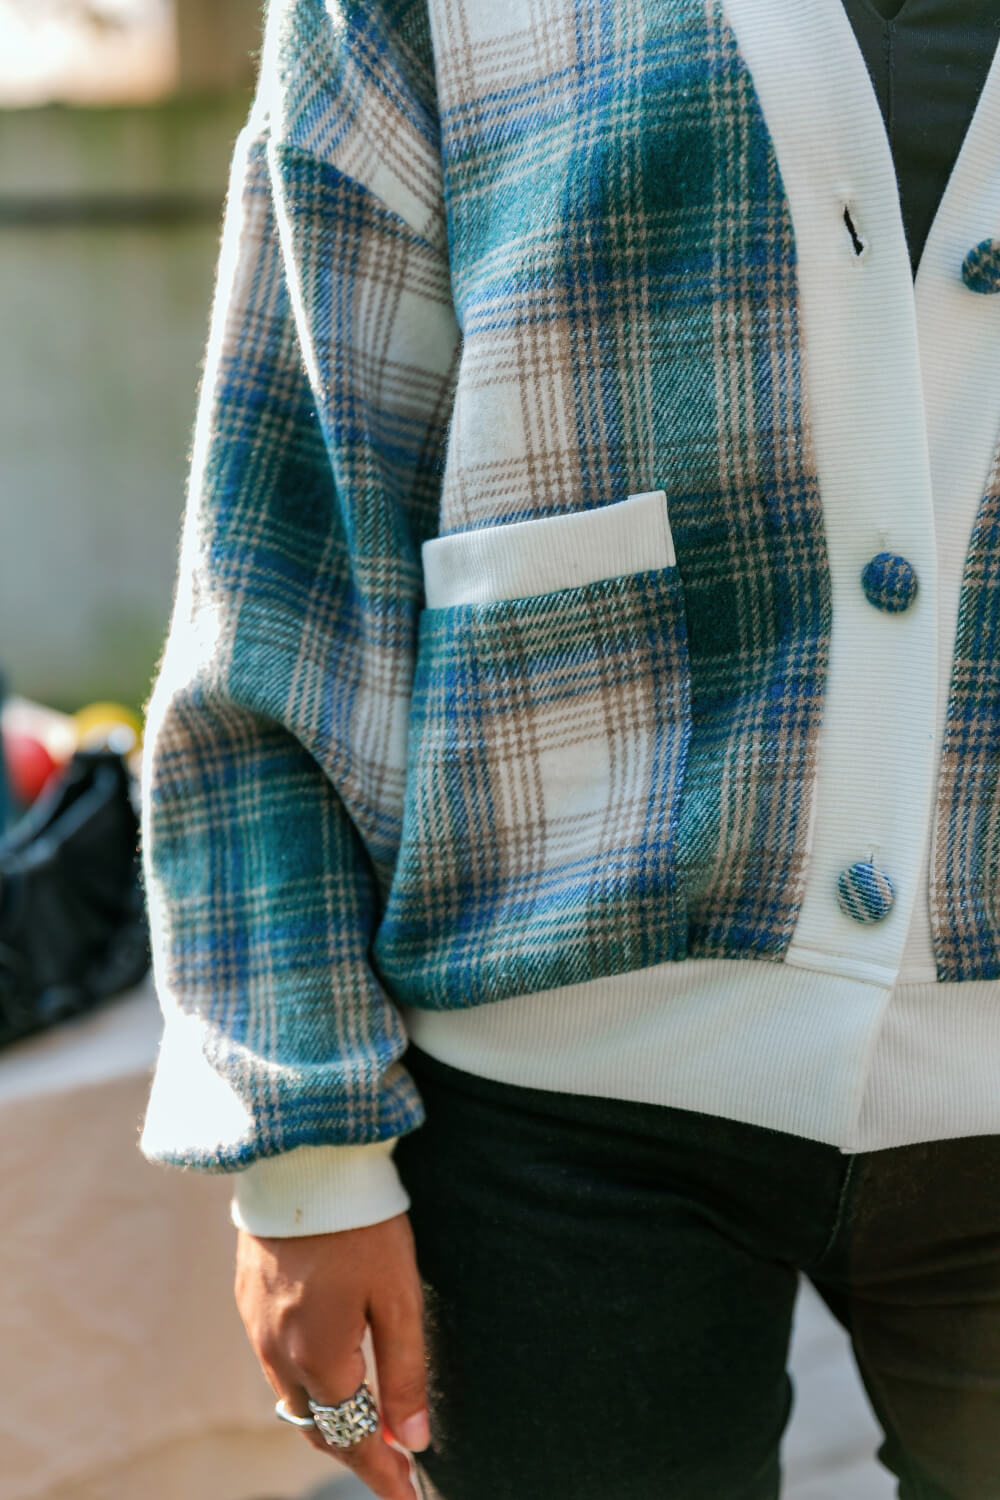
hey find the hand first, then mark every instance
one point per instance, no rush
(305, 1302)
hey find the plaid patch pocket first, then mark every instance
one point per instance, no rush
(548, 736)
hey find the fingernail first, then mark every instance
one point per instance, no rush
(415, 1432)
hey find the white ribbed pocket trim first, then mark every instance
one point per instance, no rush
(526, 558)
(318, 1189)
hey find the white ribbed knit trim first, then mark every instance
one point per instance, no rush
(316, 1189)
(814, 1055)
(750, 1040)
(934, 1073)
(526, 558)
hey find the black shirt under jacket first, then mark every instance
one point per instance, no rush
(928, 61)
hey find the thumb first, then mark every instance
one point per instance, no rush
(396, 1321)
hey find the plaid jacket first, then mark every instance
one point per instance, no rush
(501, 643)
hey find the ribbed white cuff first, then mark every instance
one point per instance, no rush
(318, 1189)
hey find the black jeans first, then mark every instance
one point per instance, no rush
(610, 1289)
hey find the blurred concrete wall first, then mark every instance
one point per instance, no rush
(109, 224)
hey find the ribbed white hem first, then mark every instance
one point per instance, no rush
(935, 1073)
(750, 1040)
(823, 1056)
(318, 1189)
(817, 1055)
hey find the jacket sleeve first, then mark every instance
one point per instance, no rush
(275, 749)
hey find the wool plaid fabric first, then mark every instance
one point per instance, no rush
(277, 730)
(483, 264)
(965, 891)
(889, 582)
(548, 741)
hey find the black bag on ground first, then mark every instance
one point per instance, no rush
(72, 918)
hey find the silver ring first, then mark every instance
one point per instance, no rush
(281, 1411)
(350, 1421)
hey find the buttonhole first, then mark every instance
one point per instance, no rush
(856, 240)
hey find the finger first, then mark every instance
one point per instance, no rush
(396, 1320)
(297, 1407)
(385, 1471)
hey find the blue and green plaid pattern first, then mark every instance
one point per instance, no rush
(485, 263)
(624, 272)
(965, 868)
(548, 738)
(890, 582)
(276, 746)
(865, 893)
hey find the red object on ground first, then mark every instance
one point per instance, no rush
(37, 741)
(29, 765)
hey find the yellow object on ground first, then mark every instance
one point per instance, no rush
(97, 721)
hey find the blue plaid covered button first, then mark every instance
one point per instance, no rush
(981, 267)
(889, 582)
(865, 893)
